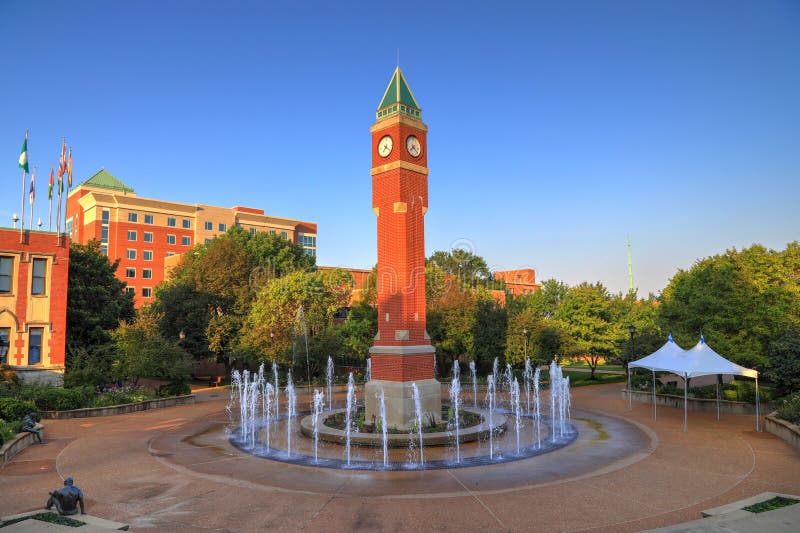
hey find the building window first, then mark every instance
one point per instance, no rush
(309, 244)
(147, 292)
(171, 222)
(147, 273)
(209, 226)
(39, 275)
(148, 219)
(272, 232)
(186, 241)
(69, 227)
(130, 290)
(253, 231)
(106, 216)
(148, 255)
(130, 254)
(170, 239)
(208, 241)
(148, 236)
(130, 272)
(133, 217)
(170, 254)
(284, 235)
(5, 336)
(35, 346)
(186, 223)
(223, 227)
(104, 249)
(131, 235)
(104, 234)
(6, 273)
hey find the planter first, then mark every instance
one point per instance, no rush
(146, 405)
(17, 444)
(699, 404)
(783, 429)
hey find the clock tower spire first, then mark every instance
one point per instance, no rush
(402, 353)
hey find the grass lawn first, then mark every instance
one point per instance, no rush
(581, 364)
(582, 379)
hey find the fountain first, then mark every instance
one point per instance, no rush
(275, 386)
(418, 418)
(267, 400)
(291, 400)
(527, 376)
(329, 382)
(384, 429)
(456, 370)
(515, 406)
(318, 405)
(351, 405)
(455, 401)
(368, 371)
(474, 375)
(536, 376)
(491, 399)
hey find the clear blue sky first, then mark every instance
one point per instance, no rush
(556, 129)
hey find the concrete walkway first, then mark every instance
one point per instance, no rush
(140, 469)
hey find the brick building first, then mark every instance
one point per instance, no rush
(143, 232)
(33, 302)
(519, 282)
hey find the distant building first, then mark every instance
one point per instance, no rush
(33, 303)
(143, 232)
(519, 282)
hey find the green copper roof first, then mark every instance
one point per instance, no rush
(398, 99)
(105, 180)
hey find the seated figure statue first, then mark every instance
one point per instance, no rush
(66, 499)
(29, 426)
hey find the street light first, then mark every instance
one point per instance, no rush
(15, 218)
(632, 330)
(525, 332)
(4, 345)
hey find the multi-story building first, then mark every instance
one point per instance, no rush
(519, 282)
(143, 232)
(34, 267)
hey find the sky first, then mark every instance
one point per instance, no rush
(557, 129)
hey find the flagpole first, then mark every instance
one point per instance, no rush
(32, 195)
(50, 216)
(68, 172)
(22, 226)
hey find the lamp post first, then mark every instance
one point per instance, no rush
(15, 218)
(4, 345)
(525, 332)
(632, 330)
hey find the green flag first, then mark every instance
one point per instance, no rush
(23, 156)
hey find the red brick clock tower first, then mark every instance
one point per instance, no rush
(402, 353)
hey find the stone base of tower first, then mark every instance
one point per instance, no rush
(399, 400)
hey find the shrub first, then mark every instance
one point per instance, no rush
(14, 409)
(57, 399)
(8, 430)
(789, 408)
(173, 389)
(109, 399)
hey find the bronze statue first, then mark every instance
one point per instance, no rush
(66, 499)
(29, 426)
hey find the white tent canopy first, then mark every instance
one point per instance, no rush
(699, 361)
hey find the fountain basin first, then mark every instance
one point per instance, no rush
(402, 440)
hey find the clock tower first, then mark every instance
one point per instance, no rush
(402, 353)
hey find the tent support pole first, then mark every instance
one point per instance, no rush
(630, 407)
(758, 428)
(685, 400)
(654, 395)
(719, 376)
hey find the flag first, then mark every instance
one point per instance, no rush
(69, 169)
(50, 186)
(32, 192)
(62, 163)
(23, 156)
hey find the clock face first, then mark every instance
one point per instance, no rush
(413, 146)
(385, 146)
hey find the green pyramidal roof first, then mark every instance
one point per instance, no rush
(105, 180)
(398, 99)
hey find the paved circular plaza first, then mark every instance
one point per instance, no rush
(174, 470)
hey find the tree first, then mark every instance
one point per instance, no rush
(739, 301)
(586, 315)
(358, 331)
(462, 264)
(144, 352)
(784, 357)
(271, 327)
(96, 304)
